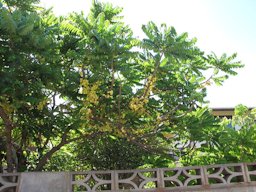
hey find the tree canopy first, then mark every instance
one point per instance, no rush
(86, 83)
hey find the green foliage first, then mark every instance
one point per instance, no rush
(232, 142)
(87, 80)
(110, 153)
(66, 160)
(24, 5)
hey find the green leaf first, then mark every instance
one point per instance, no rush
(164, 62)
(26, 29)
(8, 22)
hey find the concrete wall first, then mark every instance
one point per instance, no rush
(240, 177)
(44, 182)
(60, 182)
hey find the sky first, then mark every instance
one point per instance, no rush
(221, 26)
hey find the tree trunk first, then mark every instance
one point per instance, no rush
(49, 154)
(22, 160)
(8, 134)
(42, 162)
(1, 164)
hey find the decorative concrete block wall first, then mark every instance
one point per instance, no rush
(239, 177)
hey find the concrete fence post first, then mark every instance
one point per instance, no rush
(44, 182)
(160, 178)
(114, 181)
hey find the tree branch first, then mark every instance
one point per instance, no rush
(42, 162)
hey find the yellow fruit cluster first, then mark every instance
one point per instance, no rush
(40, 106)
(149, 85)
(90, 91)
(8, 108)
(137, 104)
(107, 127)
(85, 85)
(86, 113)
(109, 94)
(168, 135)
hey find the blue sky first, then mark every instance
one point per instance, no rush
(221, 26)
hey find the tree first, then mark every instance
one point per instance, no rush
(78, 78)
(30, 80)
(232, 142)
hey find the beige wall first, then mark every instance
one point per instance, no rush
(237, 177)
